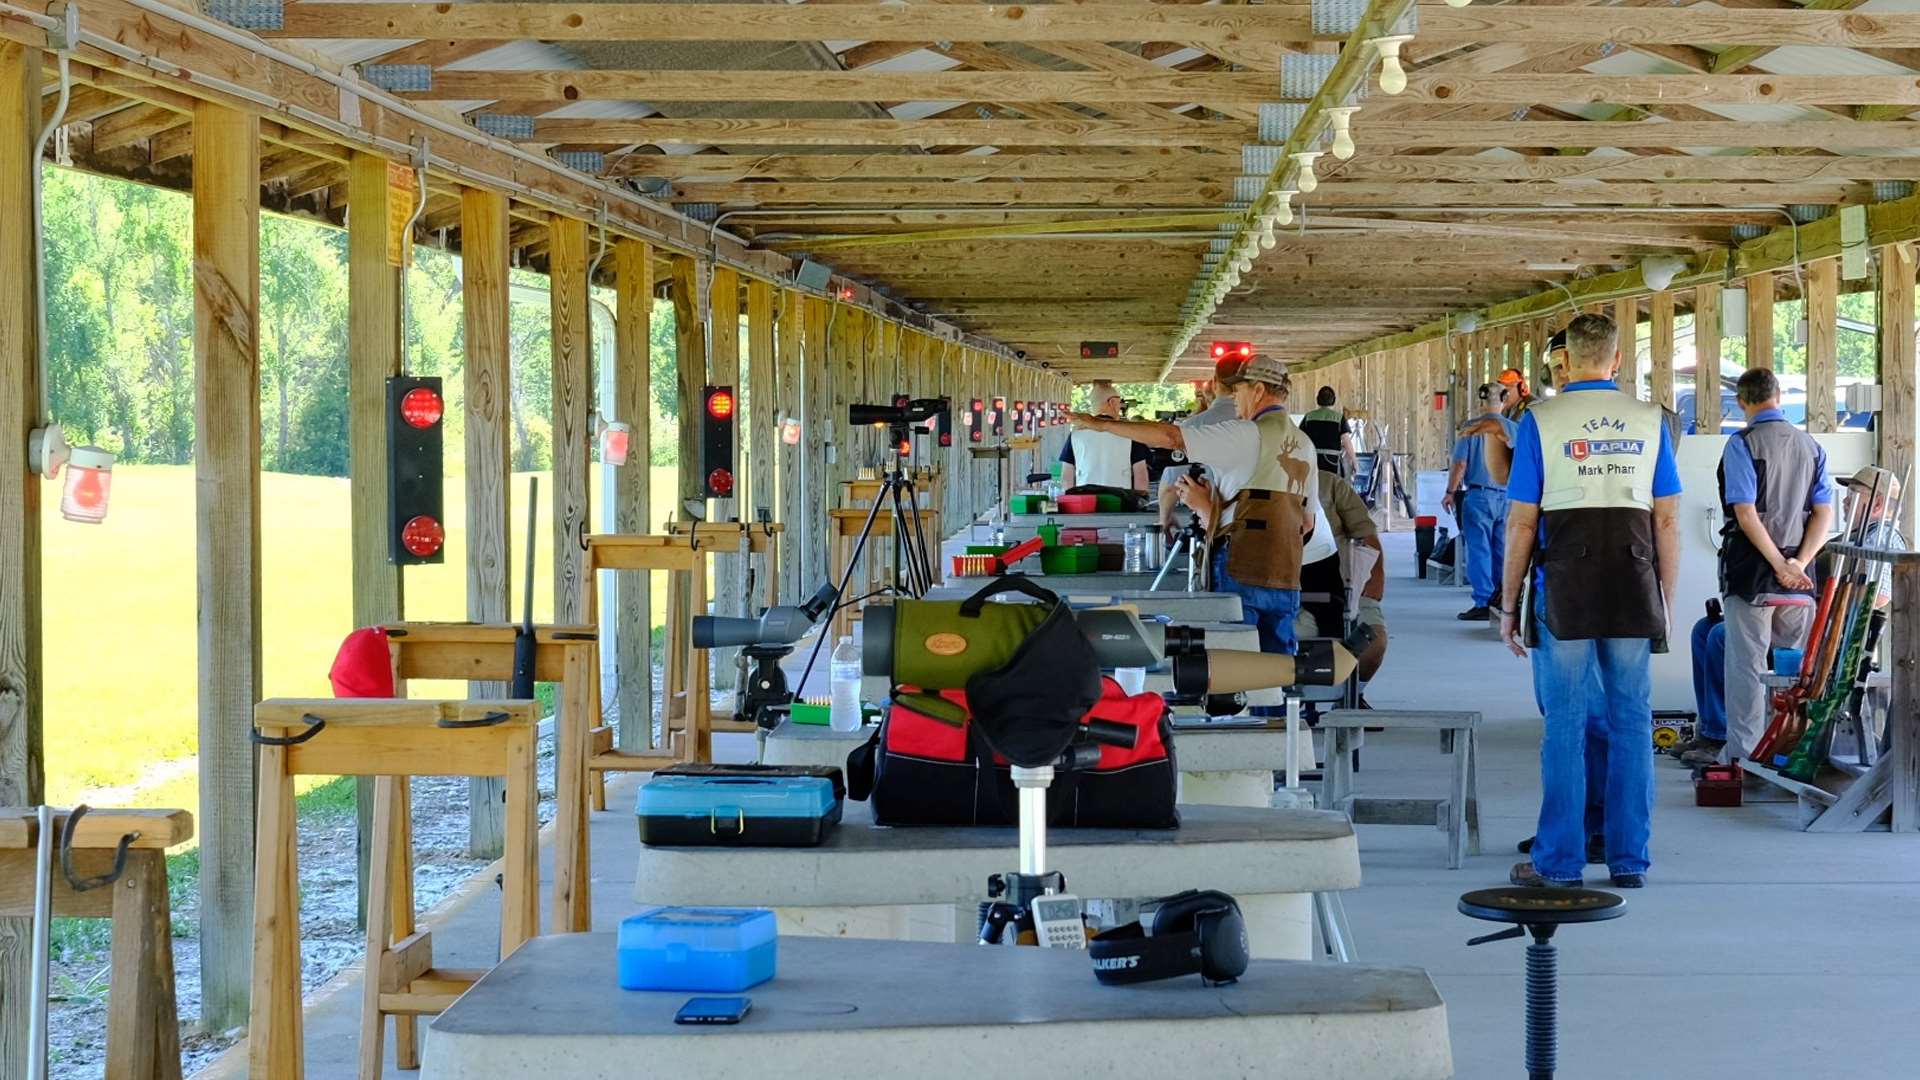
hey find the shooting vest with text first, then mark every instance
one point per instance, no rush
(1102, 458)
(1784, 463)
(1598, 450)
(1263, 539)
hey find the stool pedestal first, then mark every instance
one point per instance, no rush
(1540, 912)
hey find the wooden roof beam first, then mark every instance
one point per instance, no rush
(1168, 85)
(1342, 193)
(1218, 134)
(1831, 135)
(1654, 167)
(719, 168)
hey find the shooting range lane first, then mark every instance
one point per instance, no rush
(841, 1005)
(1272, 861)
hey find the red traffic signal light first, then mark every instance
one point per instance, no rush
(422, 536)
(1099, 350)
(1240, 350)
(720, 402)
(421, 407)
(716, 441)
(416, 410)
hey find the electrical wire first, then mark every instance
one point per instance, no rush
(70, 24)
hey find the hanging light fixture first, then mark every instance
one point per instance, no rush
(1658, 271)
(1458, 3)
(1306, 181)
(1283, 205)
(1342, 118)
(1393, 77)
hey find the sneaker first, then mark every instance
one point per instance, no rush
(1524, 875)
(1708, 753)
(1695, 743)
(1476, 613)
(1629, 881)
(1596, 849)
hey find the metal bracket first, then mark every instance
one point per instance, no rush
(290, 740)
(80, 884)
(1509, 932)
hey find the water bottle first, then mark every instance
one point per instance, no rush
(844, 675)
(1135, 550)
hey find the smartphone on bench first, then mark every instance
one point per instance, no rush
(713, 1010)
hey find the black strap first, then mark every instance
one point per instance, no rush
(489, 720)
(290, 740)
(1126, 955)
(1020, 583)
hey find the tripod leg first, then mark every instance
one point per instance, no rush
(920, 538)
(840, 595)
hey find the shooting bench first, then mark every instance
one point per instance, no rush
(860, 881)
(845, 524)
(565, 655)
(944, 1012)
(392, 740)
(1458, 815)
(112, 865)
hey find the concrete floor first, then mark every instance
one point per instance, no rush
(1757, 950)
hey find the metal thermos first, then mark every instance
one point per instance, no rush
(1153, 552)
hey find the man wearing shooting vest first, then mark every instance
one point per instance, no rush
(1593, 500)
(1773, 488)
(1264, 476)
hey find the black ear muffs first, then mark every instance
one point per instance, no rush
(1198, 931)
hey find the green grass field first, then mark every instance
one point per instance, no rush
(120, 615)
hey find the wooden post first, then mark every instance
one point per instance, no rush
(1660, 343)
(374, 354)
(789, 365)
(724, 370)
(226, 465)
(815, 434)
(572, 402)
(1706, 359)
(487, 382)
(633, 641)
(1760, 320)
(1897, 368)
(690, 360)
(766, 403)
(21, 765)
(1626, 316)
(1823, 331)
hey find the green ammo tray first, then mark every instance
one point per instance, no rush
(1027, 504)
(1106, 504)
(1070, 559)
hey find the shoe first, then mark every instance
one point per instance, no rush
(1695, 743)
(1524, 875)
(1596, 849)
(1477, 613)
(1629, 881)
(1707, 753)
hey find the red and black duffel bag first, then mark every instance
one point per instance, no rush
(917, 770)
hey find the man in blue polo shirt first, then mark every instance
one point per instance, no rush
(1593, 499)
(1480, 502)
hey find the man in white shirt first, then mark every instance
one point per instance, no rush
(1264, 470)
(1098, 458)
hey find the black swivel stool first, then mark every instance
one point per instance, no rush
(1540, 912)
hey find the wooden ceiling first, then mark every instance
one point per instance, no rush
(1045, 173)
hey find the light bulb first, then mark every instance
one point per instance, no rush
(1306, 181)
(1342, 118)
(1266, 234)
(1458, 3)
(1393, 77)
(1284, 212)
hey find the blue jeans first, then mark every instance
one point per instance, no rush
(1483, 529)
(1710, 679)
(1270, 611)
(1563, 679)
(1596, 815)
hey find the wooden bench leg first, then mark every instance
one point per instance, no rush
(373, 1023)
(275, 1047)
(1457, 806)
(1473, 791)
(520, 865)
(600, 742)
(143, 1027)
(406, 1028)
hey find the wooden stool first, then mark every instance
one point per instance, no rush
(1458, 814)
(392, 740)
(846, 525)
(127, 850)
(566, 655)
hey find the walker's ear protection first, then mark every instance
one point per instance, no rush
(1195, 931)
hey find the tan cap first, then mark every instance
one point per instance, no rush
(1870, 477)
(1261, 368)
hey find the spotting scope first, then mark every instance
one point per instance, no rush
(1120, 639)
(780, 625)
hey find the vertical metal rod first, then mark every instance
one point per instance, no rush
(42, 933)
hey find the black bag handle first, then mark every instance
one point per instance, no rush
(1020, 583)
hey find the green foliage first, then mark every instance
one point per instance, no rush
(1145, 399)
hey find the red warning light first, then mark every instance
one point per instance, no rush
(720, 483)
(422, 536)
(421, 407)
(720, 403)
(1242, 350)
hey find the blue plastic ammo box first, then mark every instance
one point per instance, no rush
(722, 950)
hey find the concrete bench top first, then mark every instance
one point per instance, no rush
(1113, 520)
(850, 1007)
(1236, 849)
(1181, 607)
